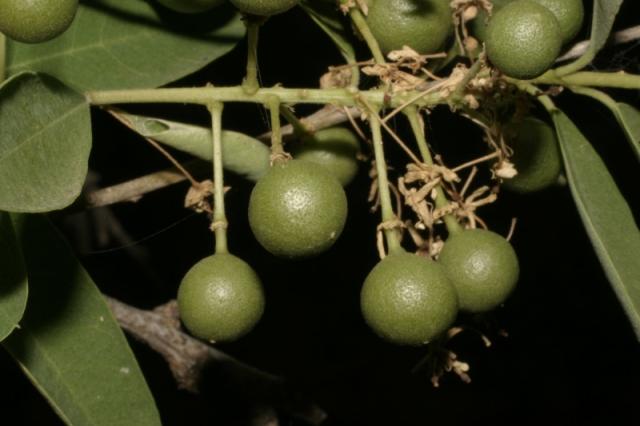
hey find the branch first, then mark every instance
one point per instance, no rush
(621, 37)
(190, 359)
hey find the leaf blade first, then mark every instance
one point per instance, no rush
(124, 44)
(13, 279)
(629, 118)
(326, 17)
(606, 215)
(44, 144)
(69, 344)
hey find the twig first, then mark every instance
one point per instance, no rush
(621, 37)
(190, 359)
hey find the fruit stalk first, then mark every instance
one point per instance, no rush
(250, 82)
(388, 216)
(441, 199)
(277, 150)
(363, 28)
(219, 225)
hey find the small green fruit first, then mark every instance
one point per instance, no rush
(36, 21)
(536, 156)
(482, 266)
(297, 209)
(570, 16)
(335, 149)
(523, 39)
(264, 7)
(220, 298)
(408, 299)
(423, 25)
(479, 24)
(190, 6)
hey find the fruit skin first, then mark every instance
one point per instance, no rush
(335, 149)
(424, 25)
(264, 7)
(408, 300)
(479, 24)
(36, 21)
(191, 6)
(482, 266)
(523, 39)
(536, 156)
(570, 16)
(220, 298)
(297, 209)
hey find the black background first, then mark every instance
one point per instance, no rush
(570, 356)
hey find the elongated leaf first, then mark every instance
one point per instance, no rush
(605, 214)
(45, 140)
(69, 345)
(13, 279)
(629, 118)
(328, 18)
(122, 44)
(604, 14)
(241, 154)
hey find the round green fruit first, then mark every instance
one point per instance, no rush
(423, 25)
(408, 300)
(335, 149)
(190, 6)
(536, 156)
(297, 209)
(36, 21)
(570, 16)
(523, 39)
(482, 266)
(479, 24)
(264, 7)
(220, 298)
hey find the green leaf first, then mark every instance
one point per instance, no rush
(241, 154)
(44, 144)
(13, 279)
(123, 44)
(605, 214)
(629, 118)
(604, 15)
(69, 345)
(329, 19)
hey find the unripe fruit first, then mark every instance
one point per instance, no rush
(482, 266)
(335, 149)
(36, 21)
(479, 23)
(297, 209)
(569, 13)
(536, 156)
(408, 300)
(523, 39)
(191, 6)
(264, 7)
(423, 25)
(220, 298)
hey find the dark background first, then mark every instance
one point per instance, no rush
(570, 357)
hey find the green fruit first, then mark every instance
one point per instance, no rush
(36, 21)
(408, 299)
(264, 7)
(569, 13)
(191, 6)
(220, 298)
(479, 24)
(523, 39)
(335, 149)
(423, 25)
(482, 266)
(297, 209)
(536, 156)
